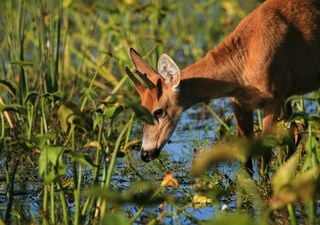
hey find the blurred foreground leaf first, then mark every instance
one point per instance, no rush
(285, 174)
(140, 193)
(218, 153)
(312, 153)
(248, 189)
(289, 188)
(99, 192)
(118, 218)
(141, 113)
(231, 219)
(144, 193)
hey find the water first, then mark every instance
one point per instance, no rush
(196, 129)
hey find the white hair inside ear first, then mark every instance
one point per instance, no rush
(169, 71)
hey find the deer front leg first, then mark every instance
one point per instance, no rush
(244, 119)
(270, 117)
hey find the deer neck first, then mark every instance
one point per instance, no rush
(214, 76)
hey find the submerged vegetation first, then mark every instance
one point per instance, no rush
(69, 123)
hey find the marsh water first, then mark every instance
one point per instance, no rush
(197, 129)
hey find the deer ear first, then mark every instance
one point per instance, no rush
(139, 63)
(169, 71)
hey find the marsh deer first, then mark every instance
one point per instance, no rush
(273, 53)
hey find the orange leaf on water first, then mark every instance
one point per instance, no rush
(169, 180)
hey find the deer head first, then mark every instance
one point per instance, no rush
(159, 95)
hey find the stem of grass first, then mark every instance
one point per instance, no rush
(292, 214)
(311, 212)
(213, 113)
(103, 208)
(84, 102)
(137, 215)
(52, 204)
(77, 197)
(114, 154)
(65, 209)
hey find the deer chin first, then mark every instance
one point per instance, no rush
(149, 155)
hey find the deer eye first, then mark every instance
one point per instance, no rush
(158, 113)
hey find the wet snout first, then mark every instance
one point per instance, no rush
(148, 155)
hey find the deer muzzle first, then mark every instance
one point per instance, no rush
(148, 156)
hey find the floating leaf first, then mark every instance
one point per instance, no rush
(169, 180)
(200, 201)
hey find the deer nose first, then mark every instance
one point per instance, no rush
(145, 156)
